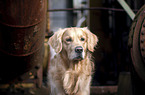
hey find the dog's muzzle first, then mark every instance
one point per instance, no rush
(79, 53)
(78, 49)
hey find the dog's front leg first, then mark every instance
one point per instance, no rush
(84, 84)
(70, 82)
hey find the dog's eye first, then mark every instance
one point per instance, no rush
(82, 39)
(68, 39)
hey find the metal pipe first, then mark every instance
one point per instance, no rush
(92, 8)
(127, 9)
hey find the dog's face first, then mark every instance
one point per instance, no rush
(73, 43)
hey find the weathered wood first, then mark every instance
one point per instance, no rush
(124, 85)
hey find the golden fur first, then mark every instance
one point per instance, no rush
(68, 74)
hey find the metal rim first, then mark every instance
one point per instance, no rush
(137, 43)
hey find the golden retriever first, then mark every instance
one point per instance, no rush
(71, 67)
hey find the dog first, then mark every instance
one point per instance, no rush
(70, 69)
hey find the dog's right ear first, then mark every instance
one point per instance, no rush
(55, 41)
(92, 39)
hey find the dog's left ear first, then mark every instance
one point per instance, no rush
(91, 39)
(55, 41)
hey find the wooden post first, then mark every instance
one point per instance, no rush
(124, 85)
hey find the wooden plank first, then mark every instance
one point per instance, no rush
(104, 90)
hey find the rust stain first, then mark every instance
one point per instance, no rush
(21, 37)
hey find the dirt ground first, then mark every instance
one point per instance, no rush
(102, 90)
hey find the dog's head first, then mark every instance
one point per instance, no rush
(73, 42)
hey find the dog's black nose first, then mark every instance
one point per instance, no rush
(78, 49)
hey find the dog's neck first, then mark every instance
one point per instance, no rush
(78, 66)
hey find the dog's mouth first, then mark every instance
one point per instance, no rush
(78, 57)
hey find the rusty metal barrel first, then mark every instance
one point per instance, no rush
(137, 42)
(22, 26)
(136, 45)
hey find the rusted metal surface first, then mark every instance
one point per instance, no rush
(137, 42)
(22, 31)
(142, 39)
(21, 13)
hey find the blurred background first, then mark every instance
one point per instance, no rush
(26, 26)
(109, 21)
